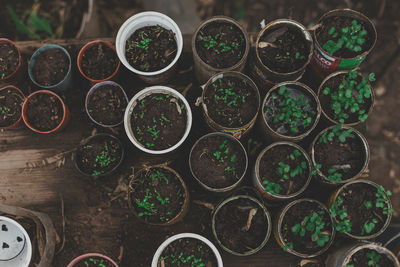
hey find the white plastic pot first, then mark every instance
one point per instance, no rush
(142, 94)
(19, 250)
(161, 248)
(140, 20)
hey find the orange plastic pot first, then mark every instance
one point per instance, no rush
(18, 124)
(15, 74)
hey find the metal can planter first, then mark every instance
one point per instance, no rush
(87, 256)
(322, 63)
(18, 72)
(204, 71)
(19, 122)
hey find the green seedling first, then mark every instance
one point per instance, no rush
(373, 259)
(382, 200)
(104, 159)
(343, 224)
(216, 44)
(336, 132)
(313, 224)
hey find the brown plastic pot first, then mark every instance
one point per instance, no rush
(18, 124)
(202, 70)
(14, 76)
(82, 52)
(257, 179)
(63, 122)
(236, 132)
(185, 206)
(88, 255)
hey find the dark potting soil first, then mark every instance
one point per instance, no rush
(158, 121)
(10, 107)
(326, 100)
(217, 161)
(44, 112)
(340, 22)
(107, 105)
(9, 59)
(270, 165)
(347, 158)
(151, 48)
(94, 262)
(361, 259)
(187, 252)
(157, 195)
(354, 198)
(99, 62)
(51, 66)
(231, 102)
(220, 44)
(289, 50)
(291, 123)
(99, 155)
(231, 223)
(295, 215)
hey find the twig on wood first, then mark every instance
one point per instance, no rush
(265, 44)
(290, 187)
(184, 92)
(63, 224)
(59, 159)
(121, 253)
(313, 28)
(252, 213)
(186, 70)
(305, 261)
(205, 204)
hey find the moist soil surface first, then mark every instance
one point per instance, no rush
(295, 215)
(51, 66)
(354, 197)
(269, 165)
(99, 62)
(157, 195)
(187, 248)
(107, 105)
(9, 59)
(151, 48)
(99, 155)
(44, 112)
(94, 262)
(231, 102)
(340, 22)
(361, 259)
(335, 154)
(218, 161)
(231, 225)
(158, 121)
(326, 100)
(220, 44)
(10, 107)
(288, 49)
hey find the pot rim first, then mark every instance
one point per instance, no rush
(5, 40)
(23, 96)
(87, 255)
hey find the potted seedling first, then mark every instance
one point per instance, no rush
(282, 171)
(291, 110)
(241, 225)
(45, 112)
(343, 38)
(50, 68)
(362, 254)
(92, 260)
(106, 103)
(187, 249)
(218, 162)
(304, 228)
(98, 61)
(340, 154)
(158, 195)
(361, 209)
(219, 44)
(283, 50)
(150, 44)
(10, 60)
(230, 102)
(99, 155)
(11, 100)
(158, 119)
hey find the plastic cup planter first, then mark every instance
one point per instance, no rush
(18, 123)
(342, 257)
(138, 21)
(88, 256)
(14, 75)
(324, 175)
(16, 245)
(204, 71)
(258, 179)
(64, 83)
(296, 90)
(265, 230)
(82, 52)
(157, 255)
(287, 245)
(64, 121)
(322, 63)
(141, 95)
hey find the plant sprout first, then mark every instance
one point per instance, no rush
(343, 224)
(313, 223)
